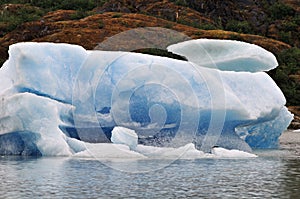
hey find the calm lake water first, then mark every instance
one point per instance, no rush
(274, 174)
(262, 177)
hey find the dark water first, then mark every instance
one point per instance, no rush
(268, 176)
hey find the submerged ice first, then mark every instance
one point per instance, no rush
(59, 99)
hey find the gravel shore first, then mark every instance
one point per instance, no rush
(290, 141)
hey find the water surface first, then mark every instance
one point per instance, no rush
(61, 177)
(274, 174)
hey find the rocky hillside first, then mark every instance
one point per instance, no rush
(275, 19)
(272, 24)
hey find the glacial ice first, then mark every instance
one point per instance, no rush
(233, 153)
(121, 135)
(125, 150)
(59, 99)
(226, 55)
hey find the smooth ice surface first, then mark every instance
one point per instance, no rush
(104, 151)
(59, 99)
(224, 153)
(226, 55)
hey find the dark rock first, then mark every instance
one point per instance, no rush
(295, 124)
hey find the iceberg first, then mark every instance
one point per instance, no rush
(60, 99)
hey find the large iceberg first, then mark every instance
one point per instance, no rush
(59, 99)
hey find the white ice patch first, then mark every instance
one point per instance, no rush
(185, 152)
(226, 55)
(109, 151)
(122, 135)
(225, 153)
(104, 151)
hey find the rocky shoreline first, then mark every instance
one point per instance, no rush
(295, 124)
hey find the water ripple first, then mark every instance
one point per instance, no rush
(263, 177)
